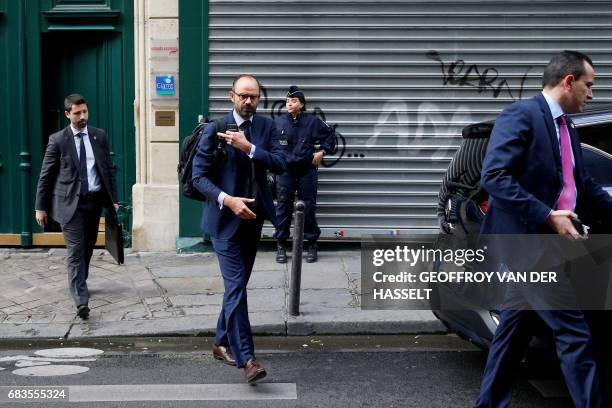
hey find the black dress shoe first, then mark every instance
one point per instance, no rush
(281, 253)
(83, 311)
(253, 371)
(312, 252)
(223, 354)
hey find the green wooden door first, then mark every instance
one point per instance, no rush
(48, 49)
(90, 65)
(193, 70)
(11, 100)
(5, 181)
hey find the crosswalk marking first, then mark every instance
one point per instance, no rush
(182, 392)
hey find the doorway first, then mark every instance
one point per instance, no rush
(89, 63)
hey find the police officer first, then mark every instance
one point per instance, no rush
(298, 133)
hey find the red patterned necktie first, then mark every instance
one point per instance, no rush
(568, 194)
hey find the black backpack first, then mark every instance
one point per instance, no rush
(188, 152)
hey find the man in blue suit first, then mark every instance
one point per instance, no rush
(534, 173)
(230, 170)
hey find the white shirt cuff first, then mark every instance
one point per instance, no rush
(220, 199)
(252, 151)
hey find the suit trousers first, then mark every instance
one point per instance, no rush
(236, 257)
(574, 349)
(80, 234)
(306, 186)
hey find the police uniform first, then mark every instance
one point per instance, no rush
(298, 137)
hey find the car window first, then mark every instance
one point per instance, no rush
(599, 136)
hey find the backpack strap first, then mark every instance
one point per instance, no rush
(220, 125)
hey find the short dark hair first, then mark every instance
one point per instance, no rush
(73, 99)
(245, 76)
(563, 64)
(295, 92)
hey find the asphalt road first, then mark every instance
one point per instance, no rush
(363, 371)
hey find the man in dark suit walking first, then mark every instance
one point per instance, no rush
(230, 170)
(534, 173)
(77, 179)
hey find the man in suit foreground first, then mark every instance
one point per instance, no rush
(77, 180)
(534, 173)
(230, 170)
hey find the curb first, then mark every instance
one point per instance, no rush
(181, 329)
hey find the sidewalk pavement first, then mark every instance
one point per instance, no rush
(165, 294)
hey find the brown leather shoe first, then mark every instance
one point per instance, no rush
(224, 354)
(253, 371)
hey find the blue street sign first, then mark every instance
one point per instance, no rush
(164, 84)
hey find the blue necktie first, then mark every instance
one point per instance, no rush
(83, 166)
(246, 128)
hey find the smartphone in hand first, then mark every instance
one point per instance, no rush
(580, 227)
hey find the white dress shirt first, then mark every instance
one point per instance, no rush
(92, 174)
(239, 121)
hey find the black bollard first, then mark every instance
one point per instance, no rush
(296, 259)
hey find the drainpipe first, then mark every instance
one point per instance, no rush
(140, 113)
(25, 165)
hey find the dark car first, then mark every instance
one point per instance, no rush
(461, 209)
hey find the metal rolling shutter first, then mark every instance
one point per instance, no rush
(400, 79)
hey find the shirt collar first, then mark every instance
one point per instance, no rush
(76, 132)
(299, 116)
(239, 119)
(554, 106)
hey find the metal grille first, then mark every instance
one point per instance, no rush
(399, 79)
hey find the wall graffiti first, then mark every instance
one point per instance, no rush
(428, 120)
(395, 116)
(340, 141)
(483, 79)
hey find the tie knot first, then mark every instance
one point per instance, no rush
(80, 135)
(245, 125)
(562, 120)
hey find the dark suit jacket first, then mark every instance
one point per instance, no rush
(522, 171)
(233, 176)
(59, 183)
